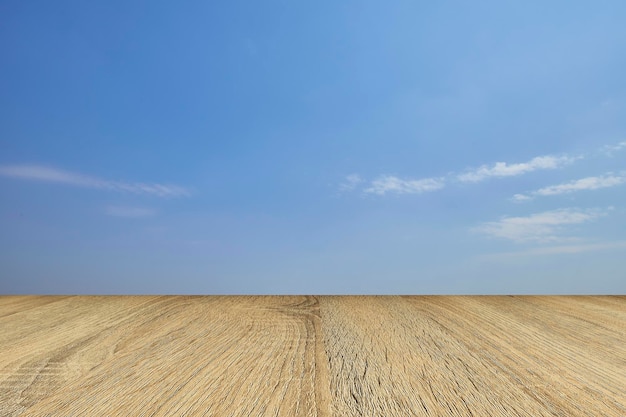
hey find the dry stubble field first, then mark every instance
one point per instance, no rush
(313, 356)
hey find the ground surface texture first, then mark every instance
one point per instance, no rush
(313, 356)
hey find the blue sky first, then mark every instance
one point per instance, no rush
(329, 148)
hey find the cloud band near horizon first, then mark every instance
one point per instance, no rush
(542, 227)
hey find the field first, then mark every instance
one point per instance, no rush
(313, 356)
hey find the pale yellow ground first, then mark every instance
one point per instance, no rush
(313, 356)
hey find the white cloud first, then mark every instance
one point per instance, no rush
(502, 169)
(350, 182)
(540, 227)
(390, 184)
(610, 150)
(554, 250)
(130, 212)
(589, 183)
(41, 173)
(619, 146)
(47, 174)
(521, 197)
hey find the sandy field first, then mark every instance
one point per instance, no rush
(313, 356)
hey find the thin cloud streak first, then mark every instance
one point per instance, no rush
(502, 169)
(47, 174)
(391, 184)
(584, 184)
(554, 250)
(539, 227)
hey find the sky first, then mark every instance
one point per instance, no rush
(286, 147)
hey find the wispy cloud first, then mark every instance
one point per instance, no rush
(521, 197)
(129, 212)
(385, 184)
(350, 182)
(48, 174)
(391, 184)
(502, 169)
(589, 183)
(540, 227)
(554, 250)
(610, 150)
